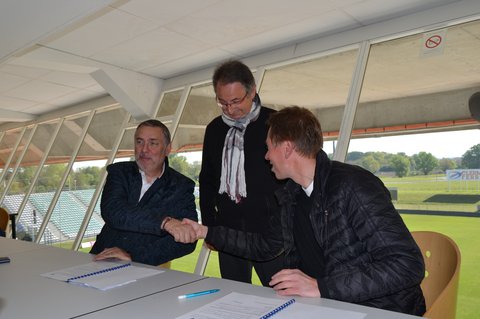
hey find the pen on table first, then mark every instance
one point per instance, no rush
(200, 293)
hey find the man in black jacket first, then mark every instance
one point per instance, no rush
(342, 237)
(143, 202)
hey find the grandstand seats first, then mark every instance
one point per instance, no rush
(67, 214)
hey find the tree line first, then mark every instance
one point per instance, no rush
(422, 163)
(377, 162)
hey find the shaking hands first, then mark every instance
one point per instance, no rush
(185, 231)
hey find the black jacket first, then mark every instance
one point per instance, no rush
(370, 256)
(252, 213)
(134, 225)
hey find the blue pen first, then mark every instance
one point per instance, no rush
(200, 293)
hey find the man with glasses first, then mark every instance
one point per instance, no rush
(236, 184)
(143, 202)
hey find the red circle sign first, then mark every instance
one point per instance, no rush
(433, 42)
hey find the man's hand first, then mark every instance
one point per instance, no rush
(113, 252)
(289, 282)
(200, 230)
(182, 233)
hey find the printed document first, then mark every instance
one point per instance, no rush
(102, 275)
(243, 306)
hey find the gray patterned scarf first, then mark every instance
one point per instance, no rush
(232, 180)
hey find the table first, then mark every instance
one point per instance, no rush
(26, 294)
(167, 304)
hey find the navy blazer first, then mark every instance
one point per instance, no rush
(134, 225)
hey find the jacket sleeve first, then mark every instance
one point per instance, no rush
(255, 246)
(392, 262)
(177, 200)
(160, 251)
(208, 184)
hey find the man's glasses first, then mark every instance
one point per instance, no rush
(234, 102)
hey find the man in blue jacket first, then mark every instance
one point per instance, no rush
(143, 203)
(341, 235)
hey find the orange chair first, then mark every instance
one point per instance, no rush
(442, 273)
(166, 265)
(4, 219)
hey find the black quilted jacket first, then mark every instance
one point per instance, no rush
(134, 225)
(370, 256)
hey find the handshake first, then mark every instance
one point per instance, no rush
(184, 231)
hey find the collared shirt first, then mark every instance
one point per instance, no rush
(146, 185)
(309, 189)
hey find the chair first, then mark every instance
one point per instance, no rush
(202, 260)
(4, 218)
(166, 265)
(442, 273)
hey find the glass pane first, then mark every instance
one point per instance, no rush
(6, 148)
(320, 84)
(169, 103)
(49, 181)
(22, 181)
(9, 176)
(199, 110)
(82, 181)
(8, 141)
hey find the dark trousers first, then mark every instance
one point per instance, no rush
(240, 269)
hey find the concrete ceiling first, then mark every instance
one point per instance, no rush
(56, 53)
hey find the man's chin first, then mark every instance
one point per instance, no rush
(141, 165)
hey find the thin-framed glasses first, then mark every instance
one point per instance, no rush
(234, 102)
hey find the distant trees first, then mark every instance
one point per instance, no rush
(471, 158)
(180, 164)
(370, 163)
(446, 163)
(85, 177)
(89, 177)
(425, 162)
(401, 165)
(51, 175)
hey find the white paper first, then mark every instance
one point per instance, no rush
(94, 274)
(305, 311)
(242, 306)
(235, 306)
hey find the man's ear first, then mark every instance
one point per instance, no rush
(168, 149)
(253, 92)
(289, 148)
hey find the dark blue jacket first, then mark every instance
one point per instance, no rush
(135, 226)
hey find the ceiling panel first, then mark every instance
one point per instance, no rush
(49, 48)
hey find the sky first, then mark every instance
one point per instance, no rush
(440, 145)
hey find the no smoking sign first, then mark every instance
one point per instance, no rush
(433, 43)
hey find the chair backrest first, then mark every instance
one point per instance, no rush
(442, 273)
(4, 218)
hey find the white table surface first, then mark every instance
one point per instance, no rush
(8, 246)
(24, 293)
(167, 304)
